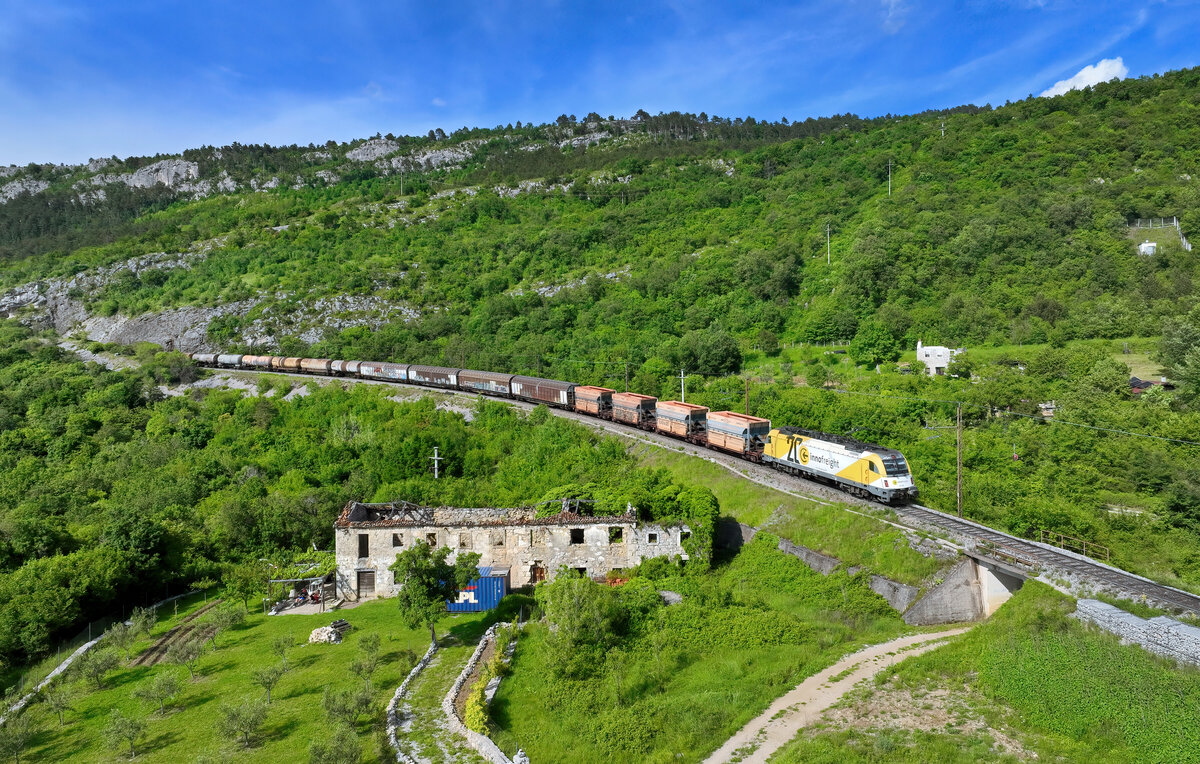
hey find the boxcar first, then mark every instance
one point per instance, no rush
(256, 361)
(738, 433)
(372, 370)
(554, 392)
(633, 408)
(596, 401)
(485, 382)
(315, 365)
(435, 376)
(682, 419)
(345, 367)
(229, 361)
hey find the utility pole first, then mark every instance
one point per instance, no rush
(436, 460)
(959, 487)
(889, 178)
(943, 128)
(747, 396)
(827, 249)
(682, 392)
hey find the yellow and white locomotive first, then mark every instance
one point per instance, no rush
(862, 469)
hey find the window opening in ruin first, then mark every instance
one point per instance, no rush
(397, 539)
(577, 535)
(364, 545)
(464, 541)
(684, 536)
(431, 539)
(582, 572)
(537, 572)
(652, 538)
(616, 534)
(497, 538)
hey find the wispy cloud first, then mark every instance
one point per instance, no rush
(1102, 71)
(895, 13)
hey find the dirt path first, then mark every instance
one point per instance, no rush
(156, 652)
(770, 730)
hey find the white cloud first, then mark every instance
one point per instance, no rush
(439, 102)
(894, 16)
(1102, 71)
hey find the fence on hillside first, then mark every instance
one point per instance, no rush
(1171, 222)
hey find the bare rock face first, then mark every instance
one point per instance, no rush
(372, 150)
(432, 158)
(186, 327)
(172, 173)
(12, 169)
(17, 187)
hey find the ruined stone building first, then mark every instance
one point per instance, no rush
(367, 538)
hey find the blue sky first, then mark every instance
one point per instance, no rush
(85, 79)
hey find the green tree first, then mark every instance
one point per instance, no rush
(347, 705)
(15, 735)
(427, 582)
(242, 721)
(267, 678)
(340, 747)
(159, 690)
(223, 619)
(121, 636)
(280, 646)
(245, 580)
(186, 653)
(59, 698)
(873, 343)
(95, 665)
(123, 730)
(142, 620)
(585, 619)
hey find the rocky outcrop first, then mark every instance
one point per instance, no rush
(373, 149)
(431, 158)
(172, 173)
(22, 186)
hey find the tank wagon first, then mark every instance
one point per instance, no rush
(862, 469)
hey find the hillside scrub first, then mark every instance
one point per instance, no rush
(1089, 696)
(616, 675)
(105, 485)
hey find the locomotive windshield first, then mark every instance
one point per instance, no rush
(895, 465)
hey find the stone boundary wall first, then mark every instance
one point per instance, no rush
(482, 744)
(393, 713)
(66, 664)
(1160, 635)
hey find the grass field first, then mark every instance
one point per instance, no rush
(1073, 693)
(188, 731)
(675, 688)
(853, 538)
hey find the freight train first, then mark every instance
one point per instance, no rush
(861, 469)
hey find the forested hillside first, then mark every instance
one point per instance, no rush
(591, 249)
(675, 237)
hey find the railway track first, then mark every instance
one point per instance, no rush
(975, 537)
(988, 542)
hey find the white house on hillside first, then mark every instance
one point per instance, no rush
(936, 358)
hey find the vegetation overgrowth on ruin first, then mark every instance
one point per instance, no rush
(621, 676)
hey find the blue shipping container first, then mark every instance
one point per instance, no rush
(483, 593)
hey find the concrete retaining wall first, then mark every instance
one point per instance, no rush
(955, 600)
(1161, 635)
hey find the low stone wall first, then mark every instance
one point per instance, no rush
(393, 712)
(1161, 635)
(482, 744)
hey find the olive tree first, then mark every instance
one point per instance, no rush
(427, 581)
(123, 730)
